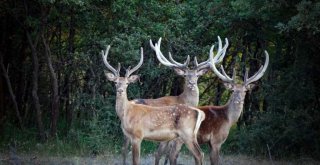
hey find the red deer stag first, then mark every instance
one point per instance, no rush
(191, 91)
(164, 123)
(215, 128)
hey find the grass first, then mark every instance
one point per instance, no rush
(65, 151)
(79, 143)
(98, 147)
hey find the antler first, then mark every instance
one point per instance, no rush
(223, 76)
(130, 71)
(258, 74)
(164, 60)
(221, 51)
(202, 65)
(217, 59)
(105, 56)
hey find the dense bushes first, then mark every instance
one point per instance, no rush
(283, 112)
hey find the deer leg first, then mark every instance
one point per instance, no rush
(162, 148)
(194, 147)
(214, 154)
(136, 144)
(166, 159)
(175, 148)
(125, 149)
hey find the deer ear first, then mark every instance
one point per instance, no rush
(133, 78)
(110, 76)
(228, 85)
(250, 86)
(203, 71)
(179, 71)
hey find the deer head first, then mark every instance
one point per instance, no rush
(191, 75)
(239, 88)
(121, 82)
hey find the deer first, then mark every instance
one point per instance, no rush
(190, 94)
(163, 123)
(215, 128)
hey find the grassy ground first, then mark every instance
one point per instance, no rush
(147, 159)
(107, 152)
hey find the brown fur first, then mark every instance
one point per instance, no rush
(161, 124)
(167, 100)
(216, 116)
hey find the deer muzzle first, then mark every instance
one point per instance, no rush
(120, 91)
(192, 85)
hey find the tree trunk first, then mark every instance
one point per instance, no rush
(35, 74)
(69, 112)
(55, 89)
(12, 95)
(1, 99)
(176, 88)
(218, 94)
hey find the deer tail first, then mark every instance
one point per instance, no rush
(200, 118)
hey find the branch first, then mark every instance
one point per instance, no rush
(270, 154)
(13, 97)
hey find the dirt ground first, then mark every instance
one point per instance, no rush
(10, 159)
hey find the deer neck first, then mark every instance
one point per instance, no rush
(122, 105)
(190, 96)
(234, 108)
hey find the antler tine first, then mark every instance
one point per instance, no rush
(202, 65)
(221, 51)
(260, 72)
(215, 70)
(184, 65)
(224, 50)
(219, 56)
(151, 44)
(104, 57)
(159, 55)
(219, 45)
(234, 74)
(130, 71)
(246, 76)
(157, 47)
(195, 61)
(163, 59)
(211, 54)
(225, 74)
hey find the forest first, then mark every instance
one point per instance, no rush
(55, 98)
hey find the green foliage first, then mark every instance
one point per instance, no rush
(305, 19)
(285, 134)
(281, 113)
